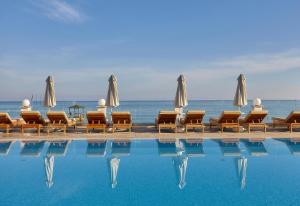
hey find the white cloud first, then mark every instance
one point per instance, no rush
(214, 79)
(60, 10)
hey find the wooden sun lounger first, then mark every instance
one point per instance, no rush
(166, 120)
(121, 120)
(193, 120)
(59, 120)
(33, 120)
(6, 122)
(254, 119)
(228, 119)
(291, 121)
(96, 120)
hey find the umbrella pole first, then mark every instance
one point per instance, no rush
(110, 129)
(111, 110)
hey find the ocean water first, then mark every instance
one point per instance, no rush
(146, 111)
(148, 172)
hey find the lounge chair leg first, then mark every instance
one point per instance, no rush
(249, 128)
(158, 129)
(39, 131)
(87, 130)
(222, 129)
(7, 129)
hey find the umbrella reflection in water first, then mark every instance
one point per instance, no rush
(114, 166)
(49, 166)
(185, 149)
(242, 171)
(180, 162)
(118, 149)
(57, 148)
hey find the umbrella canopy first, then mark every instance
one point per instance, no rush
(112, 98)
(50, 99)
(240, 98)
(181, 97)
(114, 166)
(49, 166)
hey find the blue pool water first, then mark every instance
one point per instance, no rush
(146, 111)
(150, 173)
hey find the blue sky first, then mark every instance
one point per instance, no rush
(147, 45)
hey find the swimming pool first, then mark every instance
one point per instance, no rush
(149, 172)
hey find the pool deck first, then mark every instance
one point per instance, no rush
(149, 132)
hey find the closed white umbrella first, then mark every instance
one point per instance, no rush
(181, 96)
(112, 98)
(49, 167)
(240, 98)
(114, 166)
(49, 99)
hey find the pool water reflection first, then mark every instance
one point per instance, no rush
(150, 172)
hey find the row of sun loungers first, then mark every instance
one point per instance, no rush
(59, 120)
(165, 120)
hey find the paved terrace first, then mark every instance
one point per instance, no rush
(148, 131)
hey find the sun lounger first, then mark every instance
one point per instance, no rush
(228, 119)
(166, 120)
(291, 121)
(33, 120)
(254, 119)
(193, 120)
(6, 122)
(59, 120)
(96, 120)
(121, 120)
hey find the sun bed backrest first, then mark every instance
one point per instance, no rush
(32, 117)
(121, 117)
(256, 116)
(58, 117)
(194, 117)
(294, 117)
(96, 117)
(168, 117)
(5, 118)
(229, 117)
